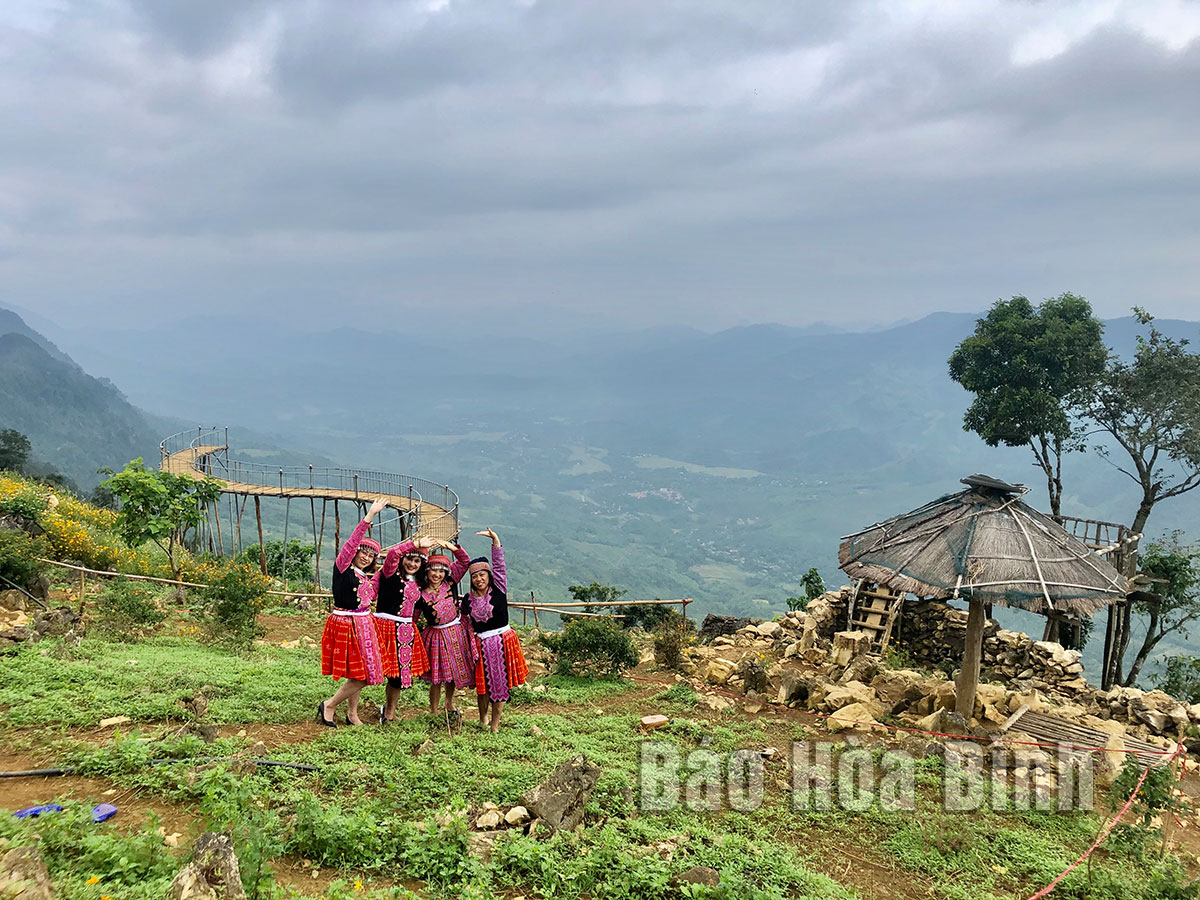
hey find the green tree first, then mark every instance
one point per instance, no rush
(1030, 369)
(1171, 606)
(14, 450)
(599, 597)
(1151, 408)
(1181, 678)
(159, 506)
(814, 586)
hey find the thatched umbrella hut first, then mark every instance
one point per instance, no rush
(986, 545)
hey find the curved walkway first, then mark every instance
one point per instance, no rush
(206, 454)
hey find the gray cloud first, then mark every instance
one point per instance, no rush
(708, 162)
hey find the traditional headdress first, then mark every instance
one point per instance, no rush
(438, 559)
(370, 544)
(479, 564)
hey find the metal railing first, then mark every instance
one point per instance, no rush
(314, 481)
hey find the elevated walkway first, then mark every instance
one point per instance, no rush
(422, 507)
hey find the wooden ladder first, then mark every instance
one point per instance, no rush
(874, 609)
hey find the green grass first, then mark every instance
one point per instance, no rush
(369, 810)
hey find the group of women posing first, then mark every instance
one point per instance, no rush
(463, 644)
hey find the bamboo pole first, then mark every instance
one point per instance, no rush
(262, 547)
(320, 540)
(82, 589)
(104, 573)
(337, 529)
(241, 510)
(533, 600)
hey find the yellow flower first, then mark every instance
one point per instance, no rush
(93, 880)
(357, 885)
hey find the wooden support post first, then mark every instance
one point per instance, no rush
(320, 540)
(217, 515)
(968, 678)
(82, 588)
(262, 547)
(287, 515)
(337, 529)
(536, 623)
(241, 509)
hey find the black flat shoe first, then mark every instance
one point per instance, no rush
(321, 716)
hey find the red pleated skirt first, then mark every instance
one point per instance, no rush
(501, 665)
(342, 653)
(401, 650)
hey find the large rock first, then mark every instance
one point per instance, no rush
(793, 688)
(859, 716)
(944, 721)
(861, 669)
(848, 646)
(213, 872)
(23, 875)
(769, 630)
(843, 695)
(720, 670)
(559, 801)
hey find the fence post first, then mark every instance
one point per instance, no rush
(536, 623)
(82, 587)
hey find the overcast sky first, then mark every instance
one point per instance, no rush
(711, 163)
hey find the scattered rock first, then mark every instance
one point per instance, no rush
(518, 815)
(849, 645)
(481, 843)
(488, 820)
(944, 721)
(856, 715)
(212, 874)
(425, 747)
(559, 801)
(715, 626)
(655, 721)
(115, 721)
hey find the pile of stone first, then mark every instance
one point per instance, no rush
(20, 624)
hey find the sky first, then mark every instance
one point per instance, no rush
(552, 165)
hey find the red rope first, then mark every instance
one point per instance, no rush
(1103, 834)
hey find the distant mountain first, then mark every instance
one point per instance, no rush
(76, 423)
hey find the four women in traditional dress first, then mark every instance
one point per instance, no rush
(464, 644)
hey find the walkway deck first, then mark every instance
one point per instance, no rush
(195, 462)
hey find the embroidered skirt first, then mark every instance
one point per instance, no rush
(451, 654)
(350, 648)
(501, 664)
(401, 650)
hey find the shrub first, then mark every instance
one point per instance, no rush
(229, 609)
(128, 610)
(25, 499)
(18, 558)
(591, 646)
(1181, 678)
(299, 559)
(668, 645)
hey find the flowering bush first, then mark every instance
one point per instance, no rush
(229, 609)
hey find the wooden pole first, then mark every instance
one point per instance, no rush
(536, 622)
(217, 516)
(968, 678)
(241, 510)
(320, 540)
(82, 589)
(262, 548)
(337, 529)
(287, 515)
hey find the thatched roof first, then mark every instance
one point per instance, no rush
(984, 543)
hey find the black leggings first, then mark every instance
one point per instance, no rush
(395, 682)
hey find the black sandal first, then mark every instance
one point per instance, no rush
(384, 720)
(328, 723)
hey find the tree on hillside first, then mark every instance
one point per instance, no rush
(299, 559)
(1170, 607)
(1030, 369)
(1151, 408)
(14, 450)
(598, 596)
(159, 506)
